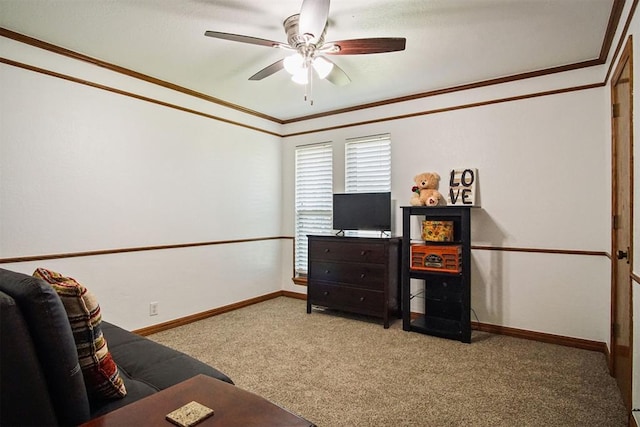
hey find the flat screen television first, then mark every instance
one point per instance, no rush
(362, 211)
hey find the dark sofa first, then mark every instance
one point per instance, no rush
(41, 383)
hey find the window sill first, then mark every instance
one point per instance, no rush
(300, 280)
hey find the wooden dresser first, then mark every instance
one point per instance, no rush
(354, 274)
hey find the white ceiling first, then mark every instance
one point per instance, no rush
(449, 43)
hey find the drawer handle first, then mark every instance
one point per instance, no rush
(362, 299)
(327, 272)
(326, 251)
(362, 276)
(445, 284)
(326, 293)
(363, 253)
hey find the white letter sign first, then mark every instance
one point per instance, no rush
(462, 187)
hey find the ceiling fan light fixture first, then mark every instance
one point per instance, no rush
(306, 33)
(293, 63)
(301, 76)
(322, 66)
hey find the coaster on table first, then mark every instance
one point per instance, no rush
(190, 414)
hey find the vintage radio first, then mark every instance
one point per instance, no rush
(437, 231)
(446, 259)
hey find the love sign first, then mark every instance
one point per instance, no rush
(462, 187)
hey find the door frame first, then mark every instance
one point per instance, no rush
(625, 56)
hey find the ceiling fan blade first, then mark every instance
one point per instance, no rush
(313, 18)
(364, 46)
(337, 76)
(242, 39)
(267, 71)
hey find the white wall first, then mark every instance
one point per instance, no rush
(84, 169)
(544, 183)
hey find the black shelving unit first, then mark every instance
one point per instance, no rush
(447, 296)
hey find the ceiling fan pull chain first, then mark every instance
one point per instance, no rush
(306, 91)
(310, 71)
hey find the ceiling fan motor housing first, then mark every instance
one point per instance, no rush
(294, 38)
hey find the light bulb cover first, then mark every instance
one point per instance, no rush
(301, 76)
(293, 63)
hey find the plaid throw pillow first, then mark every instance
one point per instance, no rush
(100, 372)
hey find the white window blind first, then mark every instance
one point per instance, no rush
(314, 197)
(367, 169)
(368, 164)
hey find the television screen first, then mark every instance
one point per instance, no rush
(362, 211)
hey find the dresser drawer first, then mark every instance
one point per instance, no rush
(444, 289)
(347, 250)
(344, 297)
(369, 276)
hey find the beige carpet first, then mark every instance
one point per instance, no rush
(340, 370)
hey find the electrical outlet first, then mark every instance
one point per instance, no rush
(153, 308)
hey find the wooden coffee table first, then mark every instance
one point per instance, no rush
(232, 405)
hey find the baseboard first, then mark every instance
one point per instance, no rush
(542, 337)
(295, 295)
(210, 313)
(537, 336)
(634, 419)
(485, 327)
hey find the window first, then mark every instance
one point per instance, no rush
(368, 164)
(368, 169)
(314, 197)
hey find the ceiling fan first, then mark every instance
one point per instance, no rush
(305, 39)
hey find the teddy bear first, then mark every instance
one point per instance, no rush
(425, 191)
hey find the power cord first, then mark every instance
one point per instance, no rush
(474, 313)
(412, 296)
